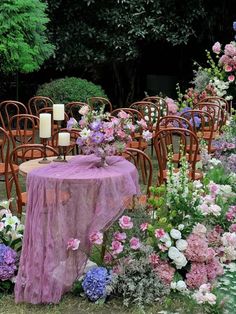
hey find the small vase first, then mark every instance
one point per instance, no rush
(103, 162)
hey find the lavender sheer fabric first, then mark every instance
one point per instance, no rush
(69, 200)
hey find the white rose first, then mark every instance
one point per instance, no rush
(175, 234)
(181, 227)
(181, 244)
(165, 238)
(168, 243)
(227, 189)
(181, 285)
(173, 253)
(180, 261)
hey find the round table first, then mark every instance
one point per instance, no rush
(68, 201)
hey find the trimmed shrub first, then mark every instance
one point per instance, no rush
(70, 89)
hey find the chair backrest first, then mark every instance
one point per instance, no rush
(74, 134)
(5, 159)
(202, 123)
(38, 102)
(8, 108)
(219, 101)
(72, 109)
(144, 164)
(160, 102)
(135, 115)
(183, 142)
(24, 149)
(97, 102)
(173, 122)
(217, 112)
(23, 129)
(149, 110)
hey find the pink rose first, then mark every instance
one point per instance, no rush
(228, 68)
(144, 226)
(96, 238)
(230, 215)
(159, 233)
(134, 243)
(230, 50)
(231, 78)
(116, 247)
(73, 244)
(125, 222)
(216, 48)
(119, 236)
(84, 110)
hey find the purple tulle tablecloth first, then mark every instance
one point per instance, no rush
(68, 200)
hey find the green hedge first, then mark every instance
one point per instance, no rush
(70, 89)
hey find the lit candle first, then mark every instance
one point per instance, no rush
(45, 125)
(63, 139)
(58, 112)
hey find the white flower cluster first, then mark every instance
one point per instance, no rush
(204, 295)
(221, 88)
(175, 252)
(180, 285)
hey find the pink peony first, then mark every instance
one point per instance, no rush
(96, 238)
(116, 247)
(125, 222)
(144, 226)
(216, 48)
(230, 50)
(119, 236)
(231, 78)
(197, 275)
(230, 215)
(159, 233)
(135, 243)
(73, 244)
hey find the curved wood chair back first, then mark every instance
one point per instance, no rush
(202, 124)
(219, 101)
(25, 150)
(8, 108)
(180, 141)
(149, 110)
(72, 109)
(74, 134)
(38, 102)
(172, 121)
(144, 165)
(97, 102)
(160, 102)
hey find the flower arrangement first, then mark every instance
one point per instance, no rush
(102, 134)
(11, 234)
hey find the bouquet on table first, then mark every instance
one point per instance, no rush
(104, 135)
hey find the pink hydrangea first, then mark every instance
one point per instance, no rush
(159, 233)
(119, 236)
(230, 50)
(142, 123)
(165, 272)
(123, 115)
(214, 269)
(197, 250)
(172, 107)
(154, 259)
(216, 48)
(135, 243)
(214, 238)
(144, 226)
(125, 222)
(197, 275)
(84, 110)
(116, 247)
(200, 230)
(96, 237)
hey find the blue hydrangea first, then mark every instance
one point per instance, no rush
(95, 282)
(8, 259)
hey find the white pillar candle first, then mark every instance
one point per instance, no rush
(45, 125)
(63, 139)
(58, 112)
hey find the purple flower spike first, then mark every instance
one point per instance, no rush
(234, 26)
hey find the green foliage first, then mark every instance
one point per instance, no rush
(114, 31)
(23, 43)
(70, 89)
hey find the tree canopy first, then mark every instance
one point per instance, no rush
(23, 42)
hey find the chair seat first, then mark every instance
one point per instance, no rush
(207, 134)
(2, 168)
(26, 133)
(138, 145)
(176, 157)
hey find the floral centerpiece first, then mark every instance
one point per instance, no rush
(104, 135)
